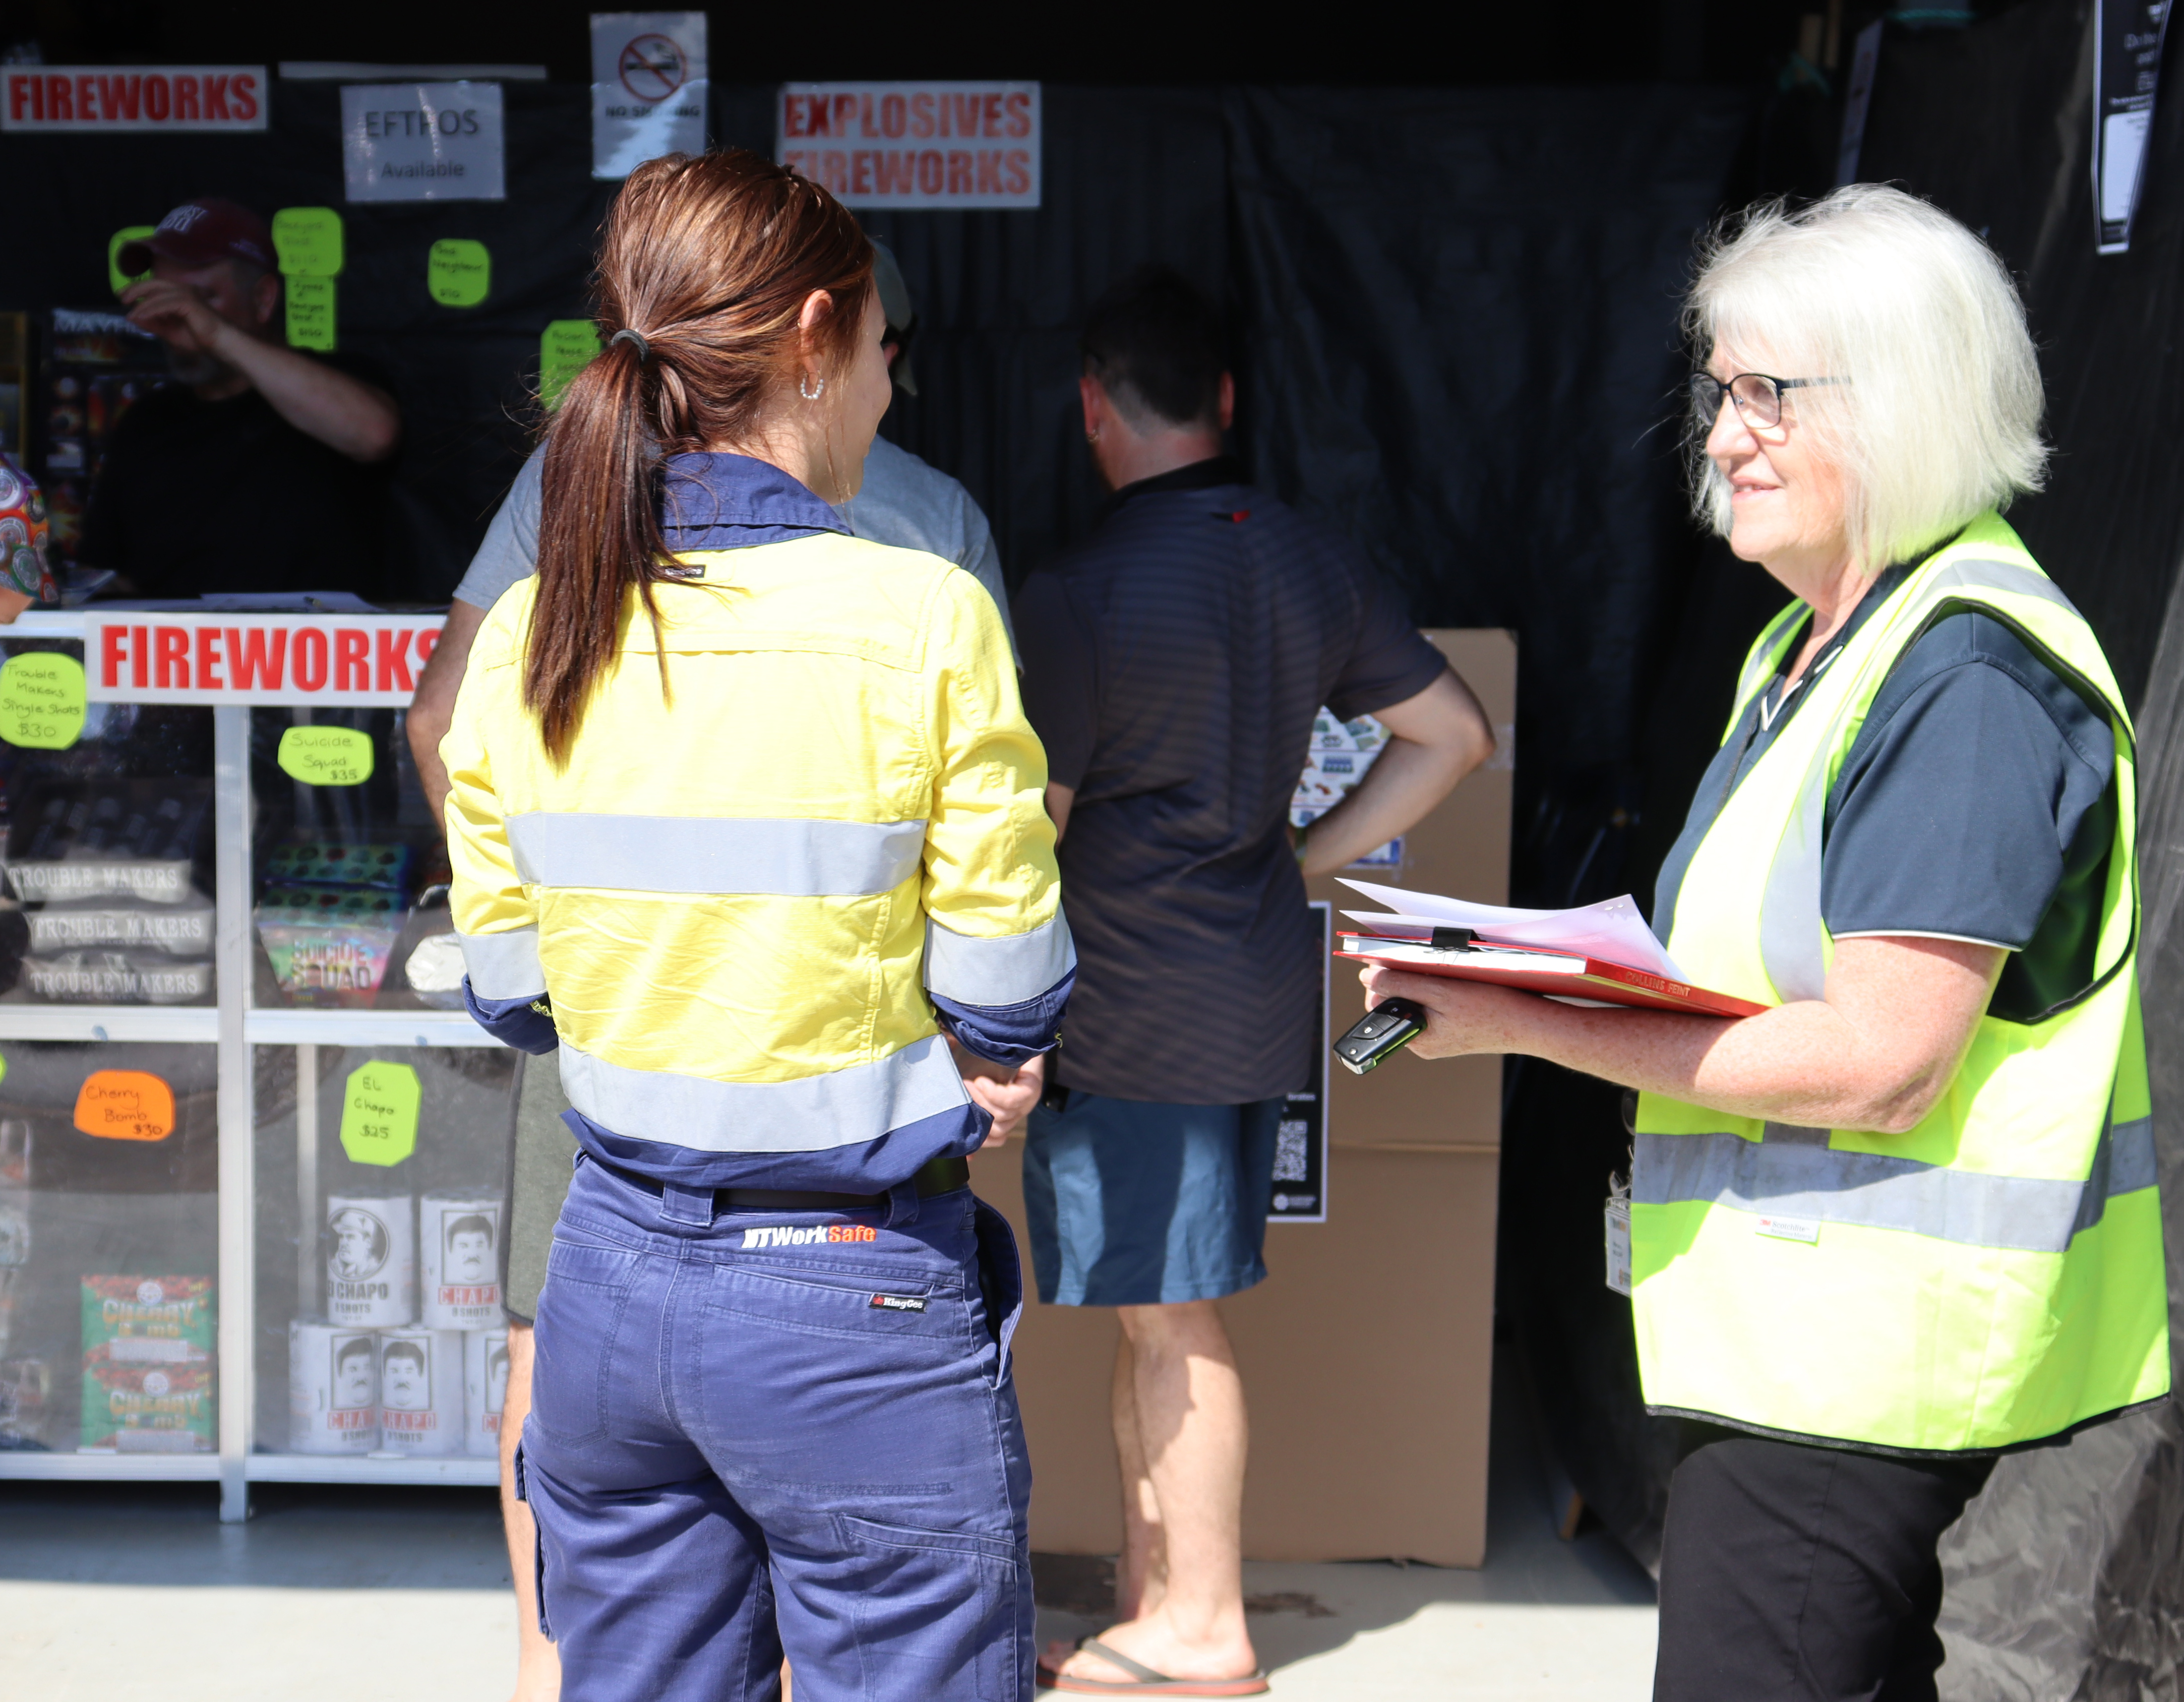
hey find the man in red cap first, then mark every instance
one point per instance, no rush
(252, 471)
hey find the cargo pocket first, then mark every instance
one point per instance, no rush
(949, 1606)
(538, 1545)
(1000, 1282)
(587, 1289)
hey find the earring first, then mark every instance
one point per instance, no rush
(803, 389)
(1092, 437)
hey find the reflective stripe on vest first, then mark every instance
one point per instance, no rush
(1794, 1172)
(1790, 918)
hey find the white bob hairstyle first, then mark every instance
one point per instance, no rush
(1933, 416)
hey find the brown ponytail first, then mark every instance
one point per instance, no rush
(708, 259)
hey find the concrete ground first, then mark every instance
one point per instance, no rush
(135, 1594)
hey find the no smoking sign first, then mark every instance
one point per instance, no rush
(652, 67)
(648, 88)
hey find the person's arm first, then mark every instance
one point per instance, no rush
(1435, 739)
(503, 985)
(432, 709)
(998, 962)
(1873, 1053)
(348, 416)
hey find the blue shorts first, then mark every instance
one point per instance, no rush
(759, 1433)
(1131, 1202)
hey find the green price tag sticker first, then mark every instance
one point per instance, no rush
(42, 701)
(309, 241)
(379, 1113)
(114, 244)
(458, 272)
(565, 347)
(325, 755)
(311, 313)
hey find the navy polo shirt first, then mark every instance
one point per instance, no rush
(1977, 802)
(1173, 666)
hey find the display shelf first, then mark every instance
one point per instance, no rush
(109, 1023)
(126, 1468)
(235, 1193)
(305, 1027)
(314, 1468)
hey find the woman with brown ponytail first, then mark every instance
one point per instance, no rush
(747, 820)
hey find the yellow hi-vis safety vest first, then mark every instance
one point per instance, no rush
(1995, 1274)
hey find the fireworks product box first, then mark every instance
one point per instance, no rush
(329, 945)
(485, 1390)
(388, 866)
(459, 1239)
(333, 1388)
(182, 929)
(371, 1259)
(117, 978)
(138, 1409)
(147, 1320)
(422, 1396)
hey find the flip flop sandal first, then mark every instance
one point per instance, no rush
(1145, 1681)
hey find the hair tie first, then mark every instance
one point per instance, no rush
(635, 337)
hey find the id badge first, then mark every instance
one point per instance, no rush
(1616, 1216)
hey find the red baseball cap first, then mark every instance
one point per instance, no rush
(199, 233)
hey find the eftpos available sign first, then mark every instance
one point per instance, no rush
(2126, 67)
(648, 88)
(422, 141)
(918, 144)
(118, 98)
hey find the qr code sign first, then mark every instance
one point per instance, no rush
(1289, 1156)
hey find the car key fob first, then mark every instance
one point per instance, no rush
(1386, 1029)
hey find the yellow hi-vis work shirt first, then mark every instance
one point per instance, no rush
(768, 861)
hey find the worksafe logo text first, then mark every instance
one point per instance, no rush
(780, 1235)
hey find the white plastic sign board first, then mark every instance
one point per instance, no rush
(648, 88)
(913, 144)
(423, 141)
(2127, 74)
(123, 97)
(352, 661)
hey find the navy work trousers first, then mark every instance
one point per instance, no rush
(761, 1432)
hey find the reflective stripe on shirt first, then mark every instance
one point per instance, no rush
(503, 966)
(714, 854)
(811, 1113)
(1007, 971)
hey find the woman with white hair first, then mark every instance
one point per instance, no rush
(1905, 1220)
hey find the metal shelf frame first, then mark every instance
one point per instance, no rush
(234, 1027)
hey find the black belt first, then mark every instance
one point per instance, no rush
(937, 1176)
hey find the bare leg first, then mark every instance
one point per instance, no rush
(538, 1662)
(1141, 1571)
(1190, 1425)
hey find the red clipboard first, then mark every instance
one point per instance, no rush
(1562, 975)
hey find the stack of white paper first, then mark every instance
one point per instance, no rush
(1612, 931)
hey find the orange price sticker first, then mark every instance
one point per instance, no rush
(125, 1105)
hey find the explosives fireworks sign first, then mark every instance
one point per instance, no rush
(911, 145)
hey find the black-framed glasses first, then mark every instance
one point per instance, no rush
(1758, 398)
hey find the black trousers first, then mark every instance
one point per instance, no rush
(1791, 1573)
